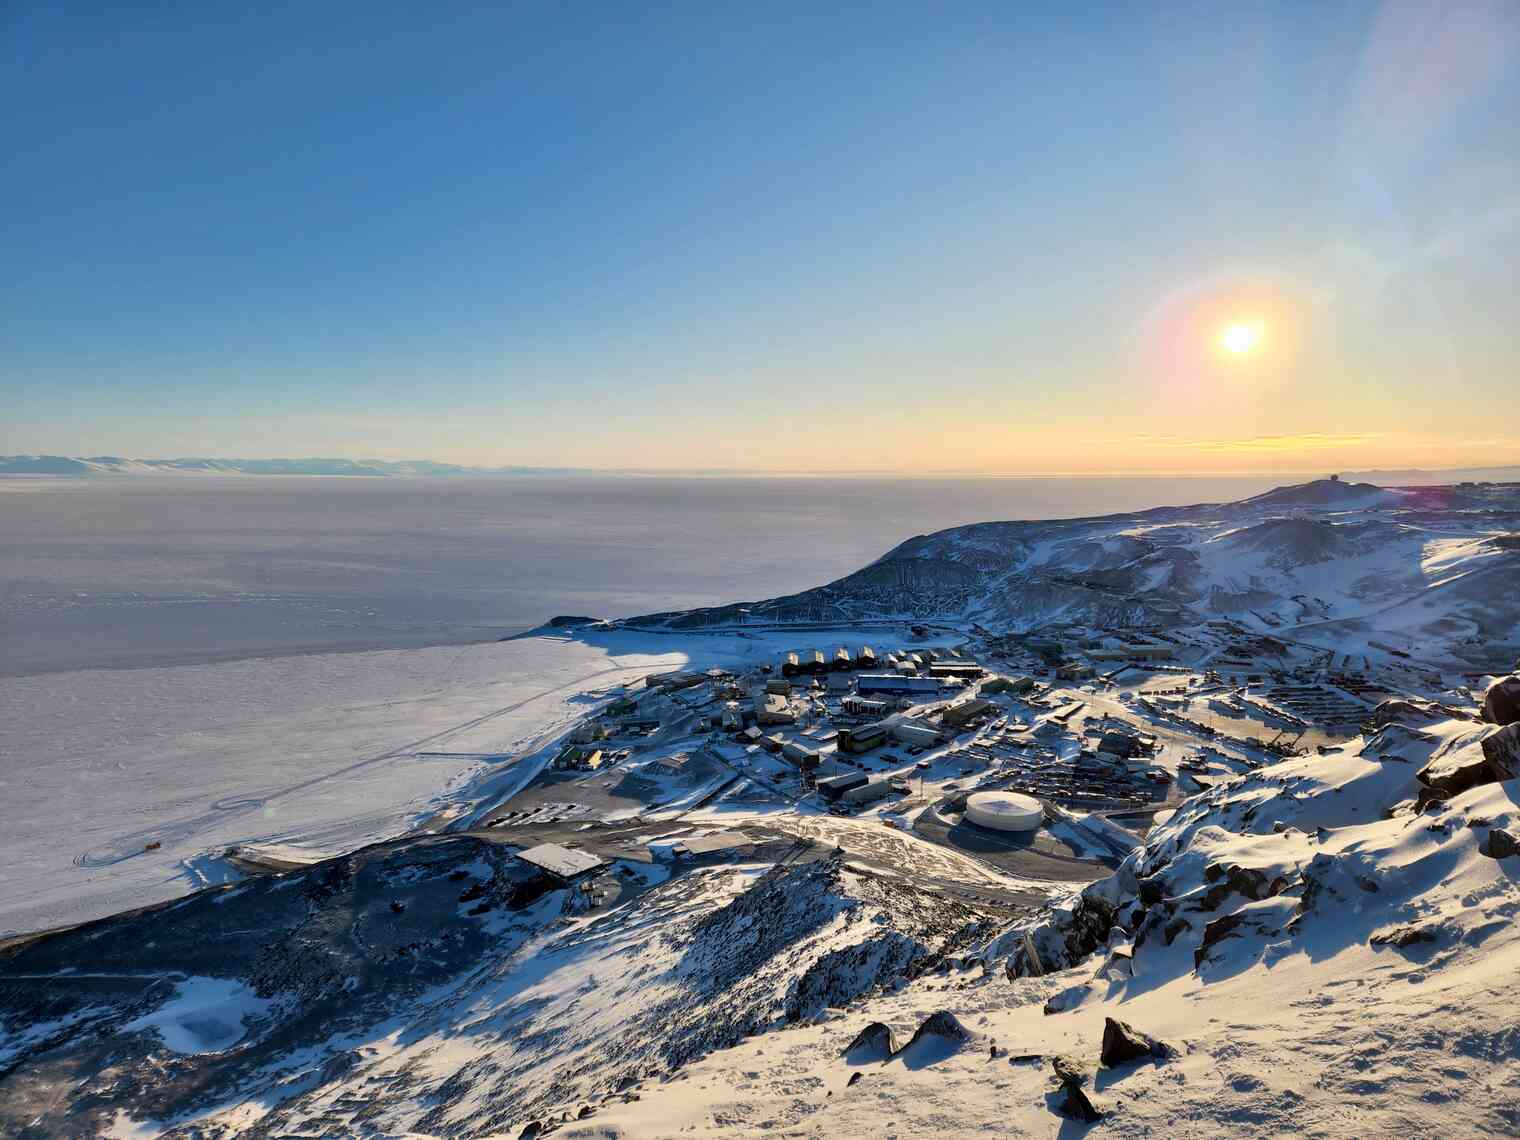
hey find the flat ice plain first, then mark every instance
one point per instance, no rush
(317, 749)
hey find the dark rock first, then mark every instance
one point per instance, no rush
(1152, 890)
(874, 1042)
(1403, 936)
(1453, 776)
(1123, 1043)
(1216, 932)
(531, 1130)
(1429, 796)
(1247, 882)
(1502, 752)
(586, 1110)
(854, 1077)
(1499, 844)
(1075, 1103)
(1501, 704)
(1078, 1105)
(943, 1025)
(1068, 1069)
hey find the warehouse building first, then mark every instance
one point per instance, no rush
(895, 683)
(866, 658)
(958, 716)
(842, 659)
(562, 864)
(878, 789)
(1013, 685)
(914, 733)
(862, 739)
(957, 669)
(832, 787)
(865, 706)
(801, 755)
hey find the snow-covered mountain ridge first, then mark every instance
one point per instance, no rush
(1439, 564)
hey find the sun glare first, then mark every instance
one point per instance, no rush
(1241, 338)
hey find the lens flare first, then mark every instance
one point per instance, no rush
(1241, 338)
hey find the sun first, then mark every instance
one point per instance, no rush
(1241, 338)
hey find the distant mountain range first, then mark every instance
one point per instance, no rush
(121, 465)
(118, 465)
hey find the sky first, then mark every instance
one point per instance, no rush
(1013, 238)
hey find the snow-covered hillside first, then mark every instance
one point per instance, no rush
(430, 987)
(1310, 952)
(1326, 945)
(1441, 565)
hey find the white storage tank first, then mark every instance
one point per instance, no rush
(1004, 811)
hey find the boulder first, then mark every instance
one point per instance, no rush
(1499, 844)
(873, 1043)
(1453, 775)
(1216, 932)
(1123, 1043)
(854, 1077)
(1078, 1105)
(1075, 1102)
(1403, 936)
(1502, 752)
(1501, 704)
(942, 1025)
(1068, 1069)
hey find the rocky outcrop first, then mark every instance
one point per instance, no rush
(941, 1028)
(1499, 844)
(1502, 752)
(1453, 775)
(1075, 929)
(873, 1043)
(1501, 704)
(1123, 1043)
(1074, 1102)
(1403, 936)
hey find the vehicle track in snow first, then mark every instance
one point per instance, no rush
(135, 843)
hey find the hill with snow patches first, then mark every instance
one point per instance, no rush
(1440, 564)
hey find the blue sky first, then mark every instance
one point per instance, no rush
(918, 237)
